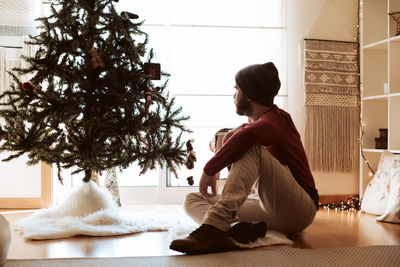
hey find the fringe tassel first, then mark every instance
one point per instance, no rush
(329, 138)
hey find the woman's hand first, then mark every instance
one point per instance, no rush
(205, 182)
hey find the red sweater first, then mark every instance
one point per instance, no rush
(276, 131)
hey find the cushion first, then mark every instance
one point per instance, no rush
(376, 195)
(4, 239)
(392, 212)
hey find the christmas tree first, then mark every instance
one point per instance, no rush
(91, 103)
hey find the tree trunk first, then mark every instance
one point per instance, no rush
(88, 175)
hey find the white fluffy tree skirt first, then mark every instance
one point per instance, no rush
(91, 211)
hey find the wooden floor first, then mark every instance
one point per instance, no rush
(329, 229)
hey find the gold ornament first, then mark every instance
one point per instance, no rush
(96, 60)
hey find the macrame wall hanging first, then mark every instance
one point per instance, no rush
(331, 100)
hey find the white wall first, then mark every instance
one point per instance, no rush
(328, 20)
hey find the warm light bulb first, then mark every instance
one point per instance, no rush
(370, 174)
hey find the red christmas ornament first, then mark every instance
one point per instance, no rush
(28, 86)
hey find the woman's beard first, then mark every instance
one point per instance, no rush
(243, 107)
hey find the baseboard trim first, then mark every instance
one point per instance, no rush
(20, 203)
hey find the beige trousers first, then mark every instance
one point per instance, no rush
(282, 203)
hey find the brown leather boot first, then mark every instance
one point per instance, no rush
(205, 239)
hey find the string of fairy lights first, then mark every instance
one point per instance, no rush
(362, 132)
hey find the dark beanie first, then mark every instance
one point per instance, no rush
(259, 82)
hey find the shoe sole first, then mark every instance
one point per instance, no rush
(245, 232)
(192, 251)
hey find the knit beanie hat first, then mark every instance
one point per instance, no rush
(259, 82)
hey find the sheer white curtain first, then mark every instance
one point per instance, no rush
(17, 19)
(10, 58)
(2, 70)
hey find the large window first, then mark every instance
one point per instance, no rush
(202, 44)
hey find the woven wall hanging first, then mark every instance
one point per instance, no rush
(331, 100)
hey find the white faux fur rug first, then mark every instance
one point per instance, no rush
(90, 210)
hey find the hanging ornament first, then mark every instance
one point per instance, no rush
(128, 15)
(191, 157)
(148, 96)
(96, 60)
(28, 86)
(190, 180)
(153, 70)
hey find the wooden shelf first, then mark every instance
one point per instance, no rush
(380, 45)
(383, 97)
(395, 38)
(373, 150)
(376, 97)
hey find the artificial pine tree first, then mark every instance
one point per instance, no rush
(90, 105)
